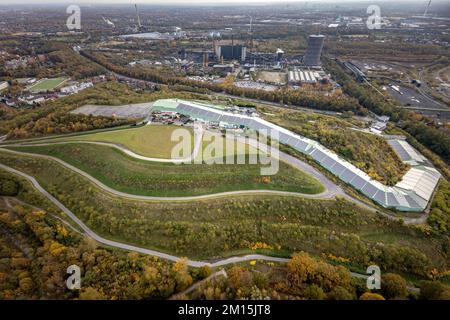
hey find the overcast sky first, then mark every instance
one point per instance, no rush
(192, 1)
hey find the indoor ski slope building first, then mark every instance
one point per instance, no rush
(412, 193)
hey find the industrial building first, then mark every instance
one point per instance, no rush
(407, 153)
(4, 85)
(413, 193)
(230, 50)
(279, 55)
(223, 69)
(298, 77)
(314, 51)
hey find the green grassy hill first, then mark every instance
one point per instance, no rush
(130, 175)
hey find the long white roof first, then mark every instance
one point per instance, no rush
(411, 194)
(406, 152)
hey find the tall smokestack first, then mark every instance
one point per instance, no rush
(138, 19)
(426, 9)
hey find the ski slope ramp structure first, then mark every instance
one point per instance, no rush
(412, 193)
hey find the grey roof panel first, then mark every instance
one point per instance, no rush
(358, 182)
(369, 190)
(338, 169)
(283, 138)
(380, 197)
(318, 155)
(302, 145)
(391, 199)
(327, 162)
(347, 175)
(412, 202)
(291, 141)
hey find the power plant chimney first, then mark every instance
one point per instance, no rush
(426, 9)
(138, 18)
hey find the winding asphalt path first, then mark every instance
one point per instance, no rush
(198, 133)
(191, 263)
(331, 189)
(162, 255)
(323, 195)
(115, 244)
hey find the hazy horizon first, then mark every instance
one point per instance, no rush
(196, 2)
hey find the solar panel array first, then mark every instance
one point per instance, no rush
(412, 194)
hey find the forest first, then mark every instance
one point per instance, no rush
(307, 278)
(36, 249)
(284, 224)
(59, 60)
(54, 117)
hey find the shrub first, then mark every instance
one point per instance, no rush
(393, 286)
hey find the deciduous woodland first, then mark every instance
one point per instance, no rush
(284, 224)
(36, 249)
(55, 117)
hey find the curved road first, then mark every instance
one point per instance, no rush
(197, 147)
(324, 195)
(331, 189)
(92, 234)
(165, 256)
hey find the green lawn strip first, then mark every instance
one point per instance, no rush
(47, 84)
(126, 174)
(65, 136)
(150, 141)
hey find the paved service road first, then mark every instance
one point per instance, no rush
(115, 244)
(323, 195)
(165, 256)
(198, 133)
(331, 189)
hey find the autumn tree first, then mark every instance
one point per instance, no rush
(239, 278)
(181, 274)
(371, 296)
(90, 293)
(339, 293)
(393, 286)
(434, 290)
(314, 292)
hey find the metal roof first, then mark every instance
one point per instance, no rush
(411, 194)
(406, 152)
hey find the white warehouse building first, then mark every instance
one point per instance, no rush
(412, 193)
